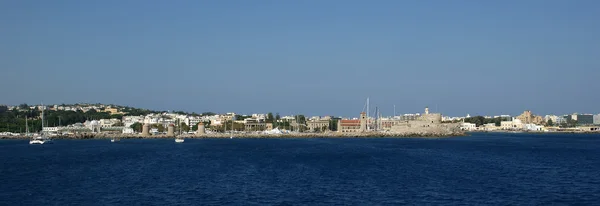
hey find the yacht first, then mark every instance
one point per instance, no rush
(179, 140)
(42, 138)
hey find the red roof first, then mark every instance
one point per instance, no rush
(350, 122)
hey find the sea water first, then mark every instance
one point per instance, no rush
(493, 168)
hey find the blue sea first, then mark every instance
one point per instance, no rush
(480, 169)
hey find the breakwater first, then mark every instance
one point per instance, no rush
(254, 135)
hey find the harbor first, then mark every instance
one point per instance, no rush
(252, 135)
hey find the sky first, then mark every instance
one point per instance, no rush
(309, 57)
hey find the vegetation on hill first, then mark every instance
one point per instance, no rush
(14, 120)
(480, 120)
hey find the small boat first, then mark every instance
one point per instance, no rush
(40, 140)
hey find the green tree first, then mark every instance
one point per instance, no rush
(185, 127)
(269, 117)
(207, 114)
(550, 123)
(238, 126)
(300, 118)
(160, 127)
(317, 129)
(116, 116)
(571, 123)
(333, 124)
(136, 127)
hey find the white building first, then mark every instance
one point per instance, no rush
(93, 125)
(104, 123)
(128, 130)
(468, 126)
(194, 121)
(129, 120)
(490, 127)
(533, 127)
(597, 119)
(515, 124)
(50, 129)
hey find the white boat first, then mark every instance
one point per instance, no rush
(43, 138)
(40, 140)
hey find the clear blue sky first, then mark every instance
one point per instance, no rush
(313, 56)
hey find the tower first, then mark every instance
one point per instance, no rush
(363, 122)
(201, 129)
(171, 130)
(426, 110)
(145, 130)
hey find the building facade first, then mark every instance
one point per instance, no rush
(528, 118)
(582, 119)
(353, 125)
(318, 125)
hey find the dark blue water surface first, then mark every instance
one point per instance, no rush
(497, 169)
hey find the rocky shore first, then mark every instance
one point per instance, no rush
(257, 135)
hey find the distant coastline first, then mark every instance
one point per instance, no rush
(257, 135)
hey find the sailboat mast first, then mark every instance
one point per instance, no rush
(368, 108)
(42, 118)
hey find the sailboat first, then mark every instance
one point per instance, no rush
(230, 134)
(42, 138)
(179, 139)
(26, 127)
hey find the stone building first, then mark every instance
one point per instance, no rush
(427, 122)
(528, 118)
(318, 125)
(255, 126)
(358, 125)
(347, 125)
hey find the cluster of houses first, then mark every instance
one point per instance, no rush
(255, 123)
(530, 122)
(259, 122)
(77, 107)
